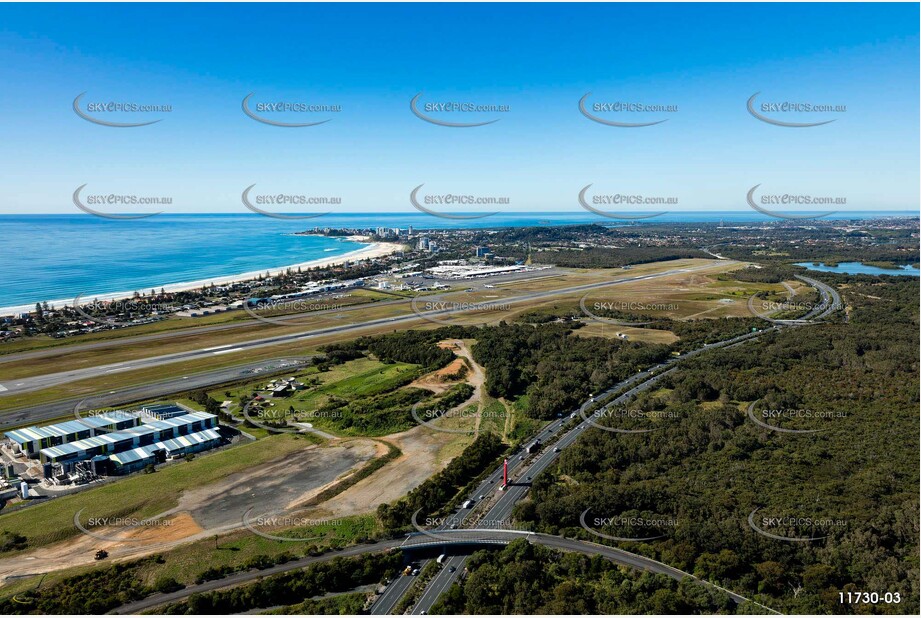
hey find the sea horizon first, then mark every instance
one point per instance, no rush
(56, 257)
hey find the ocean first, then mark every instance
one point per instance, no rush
(53, 257)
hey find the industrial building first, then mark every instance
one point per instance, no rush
(30, 440)
(163, 411)
(142, 456)
(128, 439)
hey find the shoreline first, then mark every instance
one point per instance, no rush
(371, 251)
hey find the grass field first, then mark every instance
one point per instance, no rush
(354, 378)
(125, 351)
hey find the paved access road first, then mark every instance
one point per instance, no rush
(521, 468)
(497, 511)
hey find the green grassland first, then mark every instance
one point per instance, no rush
(362, 397)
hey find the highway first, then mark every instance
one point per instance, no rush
(451, 569)
(831, 300)
(393, 593)
(498, 512)
(522, 468)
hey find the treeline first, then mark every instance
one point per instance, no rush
(410, 346)
(695, 333)
(556, 370)
(346, 604)
(707, 466)
(442, 488)
(616, 258)
(456, 395)
(96, 592)
(337, 575)
(532, 580)
(774, 273)
(211, 405)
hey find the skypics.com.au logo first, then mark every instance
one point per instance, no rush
(792, 199)
(632, 201)
(632, 528)
(256, 201)
(283, 113)
(605, 112)
(770, 112)
(91, 201)
(440, 204)
(438, 112)
(119, 113)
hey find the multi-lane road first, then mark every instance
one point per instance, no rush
(498, 511)
(504, 501)
(499, 502)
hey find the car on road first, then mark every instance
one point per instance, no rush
(452, 568)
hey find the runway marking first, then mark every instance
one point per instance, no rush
(2, 388)
(227, 351)
(217, 347)
(119, 369)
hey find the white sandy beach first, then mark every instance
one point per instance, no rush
(373, 250)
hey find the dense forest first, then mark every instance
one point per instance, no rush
(707, 466)
(528, 580)
(556, 370)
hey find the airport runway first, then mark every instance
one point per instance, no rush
(153, 390)
(55, 379)
(499, 511)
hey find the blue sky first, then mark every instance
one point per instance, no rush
(539, 60)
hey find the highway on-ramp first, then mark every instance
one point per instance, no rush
(498, 511)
